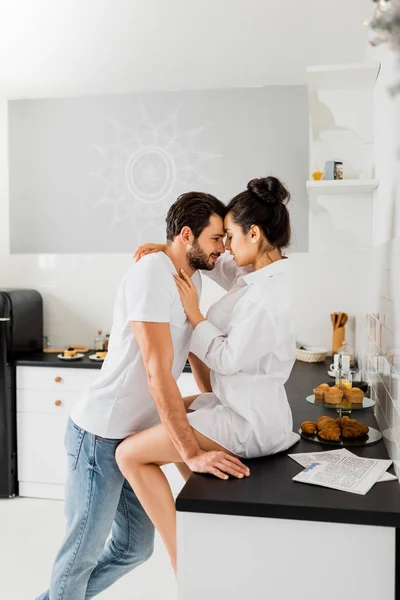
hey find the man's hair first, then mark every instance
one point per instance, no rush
(193, 210)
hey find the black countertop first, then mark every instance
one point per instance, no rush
(270, 491)
(43, 359)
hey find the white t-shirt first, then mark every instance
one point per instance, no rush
(119, 403)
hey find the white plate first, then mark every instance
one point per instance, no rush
(62, 357)
(353, 373)
(94, 357)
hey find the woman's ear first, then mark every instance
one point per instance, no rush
(255, 234)
(186, 236)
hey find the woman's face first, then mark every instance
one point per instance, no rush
(242, 246)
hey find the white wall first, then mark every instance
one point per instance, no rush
(79, 290)
(70, 47)
(378, 331)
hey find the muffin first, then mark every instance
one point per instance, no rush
(354, 395)
(320, 391)
(333, 395)
(70, 353)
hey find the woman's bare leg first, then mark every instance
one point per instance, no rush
(139, 458)
(183, 470)
(188, 400)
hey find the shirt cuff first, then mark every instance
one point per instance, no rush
(204, 333)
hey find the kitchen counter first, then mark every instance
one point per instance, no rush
(43, 359)
(268, 537)
(270, 491)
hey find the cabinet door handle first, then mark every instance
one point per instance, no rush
(58, 402)
(58, 379)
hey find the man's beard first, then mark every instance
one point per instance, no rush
(198, 259)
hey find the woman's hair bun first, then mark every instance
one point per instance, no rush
(268, 189)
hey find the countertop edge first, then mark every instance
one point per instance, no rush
(296, 513)
(51, 361)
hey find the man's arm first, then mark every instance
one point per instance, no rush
(201, 373)
(155, 343)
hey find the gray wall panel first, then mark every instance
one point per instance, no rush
(97, 174)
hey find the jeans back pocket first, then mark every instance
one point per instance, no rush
(73, 442)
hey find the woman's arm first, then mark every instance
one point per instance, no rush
(201, 373)
(225, 271)
(251, 332)
(250, 337)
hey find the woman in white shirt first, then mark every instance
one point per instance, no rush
(248, 345)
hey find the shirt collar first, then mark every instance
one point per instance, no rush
(276, 268)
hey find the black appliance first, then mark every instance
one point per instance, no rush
(21, 334)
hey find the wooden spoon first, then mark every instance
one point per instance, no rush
(336, 320)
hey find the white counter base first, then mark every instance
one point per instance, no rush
(224, 557)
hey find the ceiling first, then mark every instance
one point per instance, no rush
(52, 48)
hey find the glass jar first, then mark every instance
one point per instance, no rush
(106, 342)
(347, 350)
(343, 378)
(99, 341)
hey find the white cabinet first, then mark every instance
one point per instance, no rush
(45, 396)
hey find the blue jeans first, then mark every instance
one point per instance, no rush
(98, 500)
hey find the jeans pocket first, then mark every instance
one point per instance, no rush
(73, 442)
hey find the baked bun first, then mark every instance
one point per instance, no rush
(333, 396)
(354, 395)
(70, 353)
(320, 390)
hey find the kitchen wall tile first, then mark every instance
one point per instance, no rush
(379, 337)
(395, 386)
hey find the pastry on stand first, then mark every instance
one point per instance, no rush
(339, 432)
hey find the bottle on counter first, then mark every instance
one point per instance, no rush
(347, 350)
(106, 342)
(343, 378)
(99, 341)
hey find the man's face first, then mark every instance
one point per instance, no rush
(206, 249)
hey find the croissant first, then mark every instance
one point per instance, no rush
(323, 421)
(331, 425)
(333, 429)
(351, 431)
(354, 430)
(308, 427)
(343, 421)
(330, 434)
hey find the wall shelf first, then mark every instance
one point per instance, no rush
(343, 186)
(357, 76)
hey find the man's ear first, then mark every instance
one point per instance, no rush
(186, 236)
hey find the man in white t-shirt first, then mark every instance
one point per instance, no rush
(148, 348)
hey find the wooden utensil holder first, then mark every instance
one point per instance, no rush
(338, 338)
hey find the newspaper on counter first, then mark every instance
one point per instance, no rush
(345, 471)
(307, 458)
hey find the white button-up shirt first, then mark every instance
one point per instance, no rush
(248, 342)
(119, 403)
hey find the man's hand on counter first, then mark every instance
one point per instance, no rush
(218, 463)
